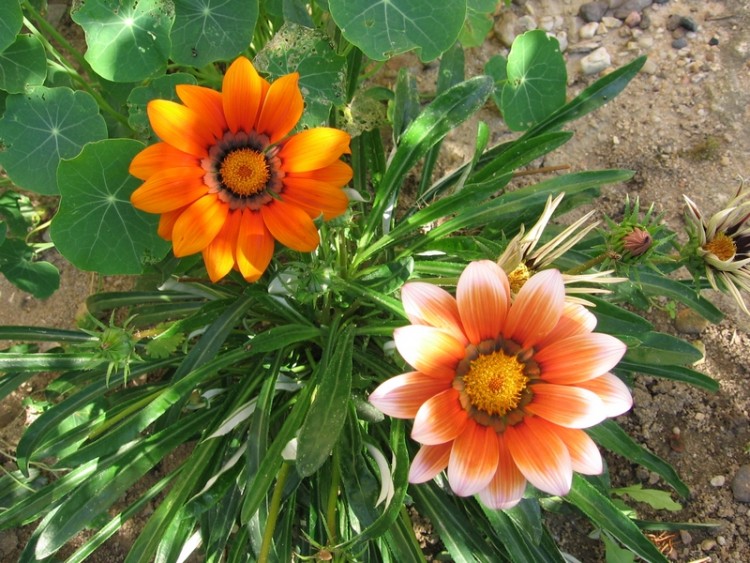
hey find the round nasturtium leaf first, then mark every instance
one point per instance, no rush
(22, 65)
(322, 73)
(128, 40)
(43, 126)
(11, 20)
(536, 80)
(205, 31)
(96, 227)
(384, 28)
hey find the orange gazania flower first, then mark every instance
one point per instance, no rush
(502, 388)
(228, 179)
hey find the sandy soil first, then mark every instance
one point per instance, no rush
(682, 126)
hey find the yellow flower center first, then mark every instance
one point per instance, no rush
(495, 382)
(519, 276)
(721, 246)
(245, 172)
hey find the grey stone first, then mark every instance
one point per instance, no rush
(680, 43)
(741, 484)
(593, 11)
(631, 6)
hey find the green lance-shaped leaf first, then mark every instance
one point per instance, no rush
(96, 227)
(128, 40)
(383, 28)
(327, 413)
(602, 512)
(11, 20)
(22, 65)
(322, 72)
(205, 31)
(43, 126)
(536, 80)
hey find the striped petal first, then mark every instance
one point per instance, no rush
(167, 221)
(205, 102)
(198, 225)
(473, 460)
(243, 91)
(254, 246)
(338, 173)
(536, 309)
(579, 358)
(429, 461)
(219, 255)
(180, 126)
(315, 197)
(566, 406)
(483, 295)
(612, 391)
(158, 157)
(313, 149)
(428, 304)
(584, 455)
(290, 225)
(440, 419)
(169, 189)
(576, 319)
(401, 396)
(431, 350)
(506, 488)
(281, 109)
(541, 456)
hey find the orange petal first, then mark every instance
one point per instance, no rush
(508, 485)
(243, 91)
(428, 304)
(313, 149)
(584, 455)
(282, 108)
(482, 295)
(612, 391)
(579, 358)
(433, 351)
(338, 173)
(169, 189)
(167, 221)
(576, 319)
(180, 126)
(402, 395)
(567, 406)
(219, 255)
(473, 460)
(158, 157)
(429, 461)
(315, 197)
(290, 225)
(205, 102)
(541, 456)
(198, 225)
(536, 309)
(440, 419)
(254, 246)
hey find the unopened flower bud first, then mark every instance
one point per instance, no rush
(637, 242)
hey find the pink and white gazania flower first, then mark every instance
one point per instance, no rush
(502, 387)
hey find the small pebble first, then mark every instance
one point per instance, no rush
(700, 417)
(718, 481)
(685, 537)
(633, 19)
(713, 42)
(741, 484)
(688, 23)
(679, 43)
(721, 540)
(708, 544)
(588, 30)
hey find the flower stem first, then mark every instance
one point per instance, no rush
(596, 260)
(273, 512)
(333, 495)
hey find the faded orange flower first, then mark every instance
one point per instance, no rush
(228, 178)
(502, 386)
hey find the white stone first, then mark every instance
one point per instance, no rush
(596, 61)
(588, 30)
